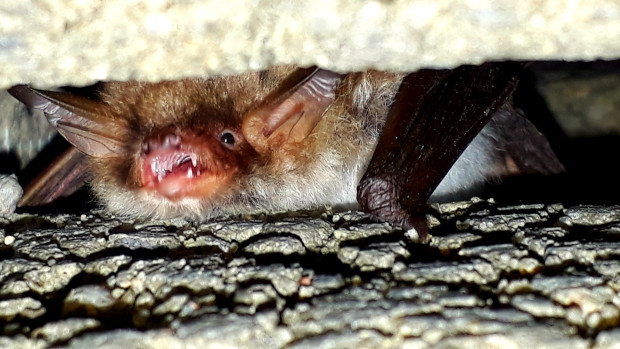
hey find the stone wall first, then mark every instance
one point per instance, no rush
(53, 43)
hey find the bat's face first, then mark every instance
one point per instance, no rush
(184, 149)
(182, 142)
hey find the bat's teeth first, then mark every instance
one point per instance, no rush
(154, 165)
(194, 160)
(160, 176)
(190, 173)
(182, 159)
(197, 172)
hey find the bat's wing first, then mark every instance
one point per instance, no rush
(63, 177)
(435, 116)
(521, 148)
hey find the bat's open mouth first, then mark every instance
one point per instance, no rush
(171, 167)
(175, 163)
(172, 173)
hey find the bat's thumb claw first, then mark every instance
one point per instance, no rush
(416, 229)
(380, 198)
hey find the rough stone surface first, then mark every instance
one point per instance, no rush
(323, 279)
(10, 192)
(78, 42)
(23, 133)
(585, 101)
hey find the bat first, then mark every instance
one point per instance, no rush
(287, 138)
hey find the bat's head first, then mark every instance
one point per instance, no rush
(184, 148)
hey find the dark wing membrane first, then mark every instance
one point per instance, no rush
(62, 178)
(433, 119)
(522, 149)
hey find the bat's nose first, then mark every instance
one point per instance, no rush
(167, 139)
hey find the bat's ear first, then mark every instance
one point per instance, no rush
(290, 113)
(80, 120)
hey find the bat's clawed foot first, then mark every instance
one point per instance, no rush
(381, 199)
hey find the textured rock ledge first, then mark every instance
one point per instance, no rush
(54, 43)
(537, 275)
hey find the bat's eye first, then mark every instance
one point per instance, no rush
(228, 138)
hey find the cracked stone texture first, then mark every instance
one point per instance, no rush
(536, 275)
(76, 42)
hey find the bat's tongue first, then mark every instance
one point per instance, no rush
(171, 168)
